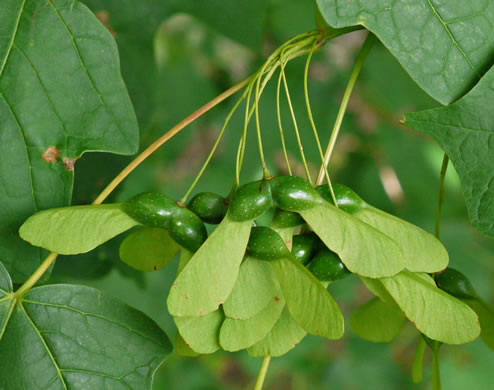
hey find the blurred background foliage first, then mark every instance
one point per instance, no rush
(177, 55)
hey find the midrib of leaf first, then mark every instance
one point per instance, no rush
(90, 315)
(453, 39)
(11, 44)
(83, 65)
(48, 350)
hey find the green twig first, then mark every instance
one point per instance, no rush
(418, 360)
(436, 372)
(262, 373)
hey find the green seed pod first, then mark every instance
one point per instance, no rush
(251, 201)
(456, 284)
(327, 266)
(187, 229)
(304, 246)
(211, 208)
(266, 244)
(293, 193)
(286, 219)
(151, 209)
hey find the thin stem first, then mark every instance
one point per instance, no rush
(313, 124)
(440, 198)
(243, 139)
(436, 372)
(262, 373)
(280, 125)
(33, 279)
(294, 119)
(258, 125)
(213, 150)
(167, 136)
(364, 51)
(418, 360)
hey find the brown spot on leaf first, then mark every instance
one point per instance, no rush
(276, 299)
(155, 267)
(51, 154)
(104, 18)
(69, 163)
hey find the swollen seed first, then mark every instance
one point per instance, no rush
(327, 266)
(151, 209)
(286, 219)
(456, 284)
(187, 229)
(304, 246)
(266, 244)
(211, 208)
(251, 201)
(293, 193)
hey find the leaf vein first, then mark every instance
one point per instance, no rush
(14, 34)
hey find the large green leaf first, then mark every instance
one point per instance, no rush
(421, 250)
(377, 321)
(308, 301)
(255, 288)
(486, 318)
(61, 94)
(435, 313)
(77, 229)
(201, 334)
(67, 336)
(465, 131)
(148, 249)
(239, 334)
(208, 279)
(283, 337)
(445, 46)
(363, 249)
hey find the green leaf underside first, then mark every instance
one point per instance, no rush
(208, 279)
(148, 249)
(283, 337)
(363, 249)
(465, 131)
(435, 313)
(201, 334)
(445, 46)
(239, 334)
(486, 319)
(421, 250)
(66, 336)
(255, 288)
(377, 321)
(60, 87)
(307, 300)
(77, 229)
